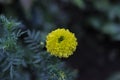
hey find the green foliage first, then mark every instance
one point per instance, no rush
(105, 18)
(28, 61)
(33, 40)
(114, 76)
(79, 3)
(111, 12)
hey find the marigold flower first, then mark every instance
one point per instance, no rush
(61, 43)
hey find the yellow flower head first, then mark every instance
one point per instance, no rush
(61, 43)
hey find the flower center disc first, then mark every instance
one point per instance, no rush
(60, 39)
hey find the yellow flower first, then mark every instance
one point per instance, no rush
(61, 43)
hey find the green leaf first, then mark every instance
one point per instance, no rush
(111, 29)
(95, 22)
(79, 3)
(11, 72)
(102, 5)
(114, 76)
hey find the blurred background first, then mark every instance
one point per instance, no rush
(96, 24)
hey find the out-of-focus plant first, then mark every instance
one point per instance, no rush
(6, 1)
(29, 61)
(79, 3)
(103, 15)
(114, 76)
